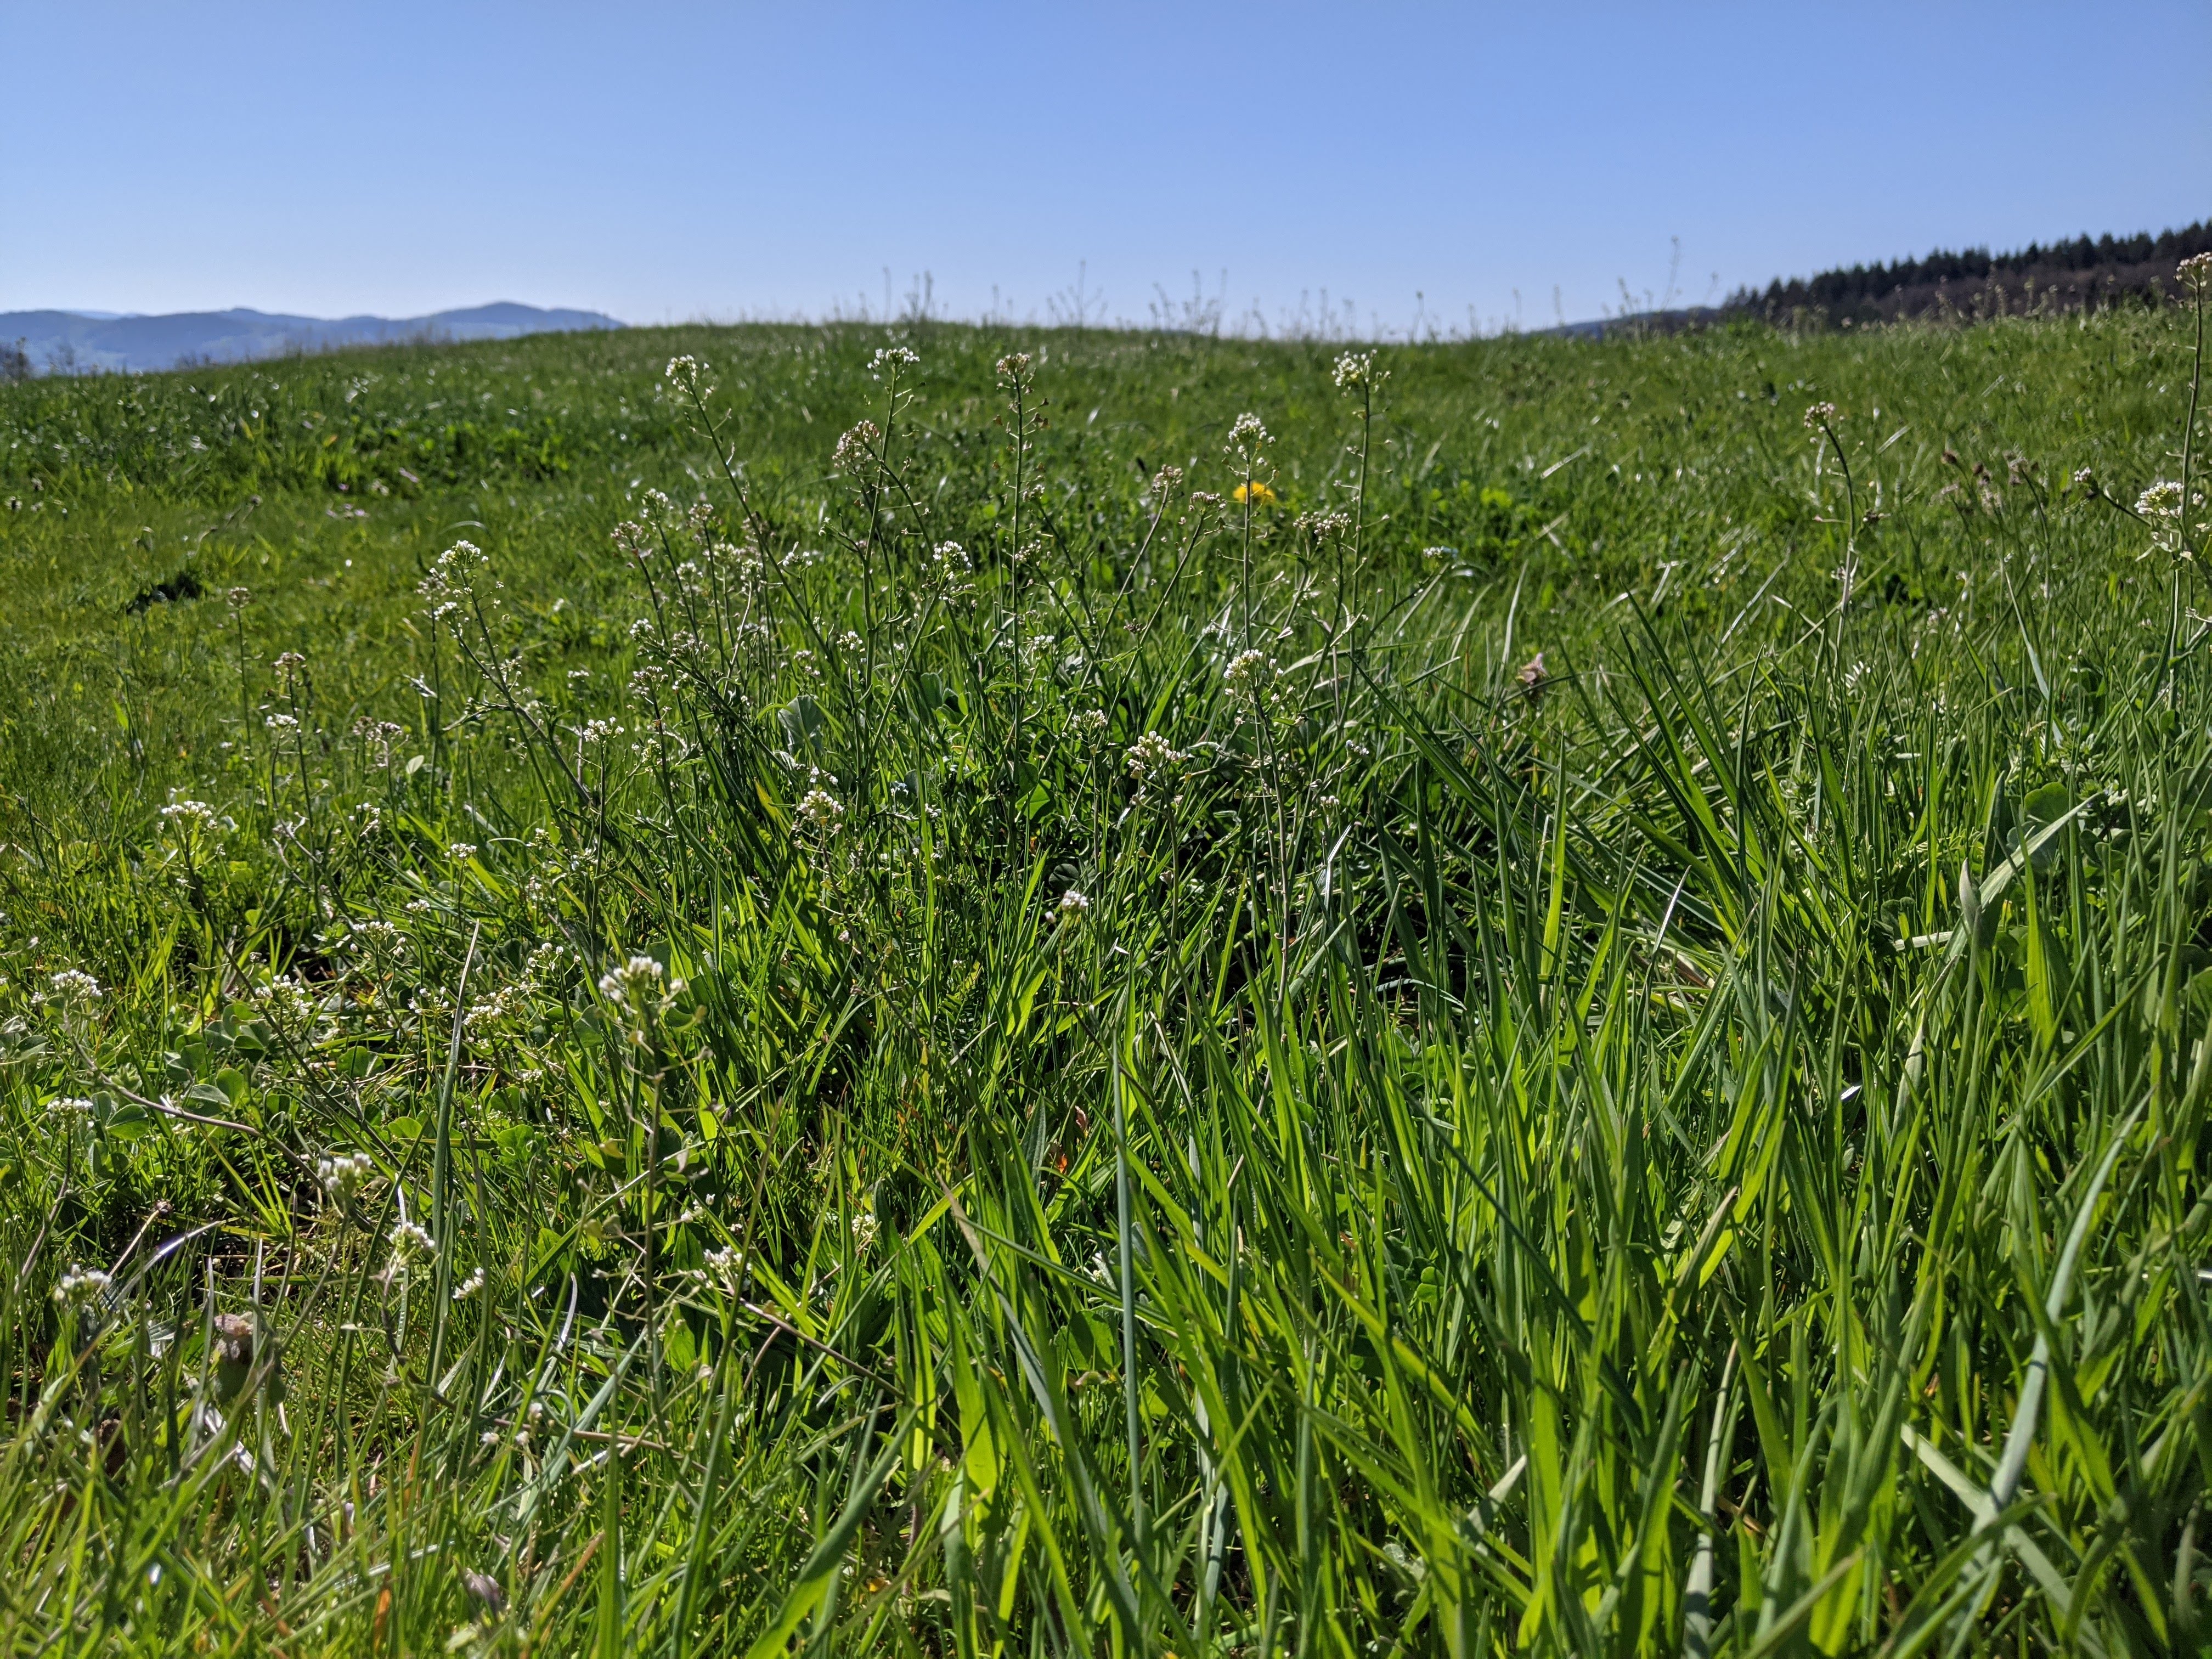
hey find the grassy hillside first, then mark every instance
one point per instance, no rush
(918, 992)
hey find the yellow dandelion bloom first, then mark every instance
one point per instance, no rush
(1258, 494)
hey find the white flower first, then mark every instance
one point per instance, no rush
(722, 1268)
(1354, 368)
(81, 1287)
(863, 1226)
(820, 812)
(342, 1174)
(469, 1286)
(856, 449)
(74, 985)
(2161, 499)
(280, 723)
(411, 1243)
(687, 373)
(1247, 433)
(1151, 755)
(1248, 673)
(1819, 414)
(453, 573)
(375, 938)
(186, 816)
(461, 852)
(1073, 906)
(638, 978)
(893, 358)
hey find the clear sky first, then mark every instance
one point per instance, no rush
(668, 162)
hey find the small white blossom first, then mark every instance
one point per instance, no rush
(342, 1174)
(820, 812)
(1249, 673)
(411, 1243)
(2161, 499)
(188, 817)
(81, 1287)
(636, 979)
(1150, 755)
(856, 449)
(74, 985)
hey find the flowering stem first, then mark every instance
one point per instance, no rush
(2189, 427)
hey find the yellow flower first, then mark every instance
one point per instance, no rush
(1258, 494)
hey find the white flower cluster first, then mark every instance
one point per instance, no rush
(375, 938)
(74, 987)
(721, 1269)
(891, 359)
(950, 568)
(689, 375)
(636, 979)
(410, 1243)
(191, 817)
(2162, 506)
(819, 810)
(453, 577)
(857, 449)
(287, 1002)
(1249, 674)
(377, 737)
(343, 1174)
(1819, 414)
(1247, 434)
(1152, 757)
(81, 1287)
(1355, 368)
(1072, 907)
(2160, 500)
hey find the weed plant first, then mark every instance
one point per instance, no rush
(1551, 997)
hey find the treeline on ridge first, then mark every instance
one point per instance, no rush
(1973, 282)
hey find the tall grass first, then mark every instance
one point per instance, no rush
(1281, 1054)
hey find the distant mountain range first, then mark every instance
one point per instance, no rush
(78, 343)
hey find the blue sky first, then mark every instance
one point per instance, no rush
(665, 161)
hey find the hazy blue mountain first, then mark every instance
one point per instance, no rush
(78, 342)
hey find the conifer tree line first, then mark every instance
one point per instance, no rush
(2064, 276)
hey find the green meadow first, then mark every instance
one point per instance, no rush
(938, 991)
